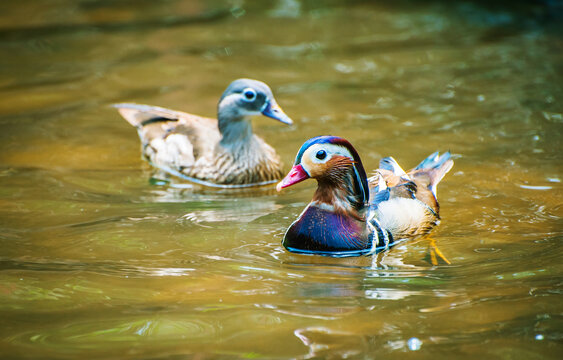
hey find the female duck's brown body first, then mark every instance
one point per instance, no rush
(216, 152)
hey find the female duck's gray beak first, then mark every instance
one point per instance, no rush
(274, 111)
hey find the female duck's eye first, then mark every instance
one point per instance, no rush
(249, 94)
(321, 154)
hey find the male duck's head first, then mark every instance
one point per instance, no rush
(334, 223)
(336, 166)
(246, 97)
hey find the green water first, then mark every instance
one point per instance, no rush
(99, 262)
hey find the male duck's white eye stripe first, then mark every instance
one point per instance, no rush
(309, 159)
(329, 149)
(305, 169)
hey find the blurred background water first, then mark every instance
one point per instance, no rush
(98, 261)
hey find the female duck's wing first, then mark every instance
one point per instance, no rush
(171, 139)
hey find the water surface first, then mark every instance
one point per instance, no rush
(98, 261)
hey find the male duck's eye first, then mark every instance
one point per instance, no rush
(249, 94)
(321, 154)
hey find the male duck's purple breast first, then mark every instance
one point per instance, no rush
(320, 231)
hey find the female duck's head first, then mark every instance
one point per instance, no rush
(247, 97)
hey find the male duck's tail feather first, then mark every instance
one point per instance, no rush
(436, 175)
(433, 161)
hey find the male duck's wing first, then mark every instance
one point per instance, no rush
(397, 208)
(419, 182)
(171, 139)
(405, 203)
(385, 185)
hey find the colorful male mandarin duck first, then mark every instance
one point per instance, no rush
(351, 215)
(222, 152)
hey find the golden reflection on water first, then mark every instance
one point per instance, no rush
(103, 258)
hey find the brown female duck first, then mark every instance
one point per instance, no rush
(222, 152)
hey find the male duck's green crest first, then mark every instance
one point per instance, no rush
(216, 152)
(343, 219)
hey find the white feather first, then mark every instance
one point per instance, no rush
(381, 185)
(175, 149)
(397, 169)
(401, 214)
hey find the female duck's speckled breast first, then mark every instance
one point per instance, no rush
(253, 162)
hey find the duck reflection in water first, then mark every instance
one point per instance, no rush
(210, 205)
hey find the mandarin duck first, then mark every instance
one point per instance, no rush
(220, 152)
(351, 214)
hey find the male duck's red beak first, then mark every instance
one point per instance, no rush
(296, 175)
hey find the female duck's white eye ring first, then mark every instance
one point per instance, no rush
(249, 94)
